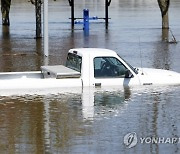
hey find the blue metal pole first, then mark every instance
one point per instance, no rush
(86, 19)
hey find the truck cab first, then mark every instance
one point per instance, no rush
(101, 67)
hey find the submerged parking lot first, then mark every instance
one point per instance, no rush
(92, 121)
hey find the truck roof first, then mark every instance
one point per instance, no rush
(93, 51)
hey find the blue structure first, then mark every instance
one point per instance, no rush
(107, 4)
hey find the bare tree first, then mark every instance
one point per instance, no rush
(164, 6)
(5, 8)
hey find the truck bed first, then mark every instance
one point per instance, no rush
(19, 75)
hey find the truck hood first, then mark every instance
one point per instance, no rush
(149, 76)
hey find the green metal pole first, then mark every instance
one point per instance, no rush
(38, 18)
(107, 4)
(71, 3)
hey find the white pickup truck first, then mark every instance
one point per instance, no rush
(92, 67)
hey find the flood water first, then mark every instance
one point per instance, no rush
(92, 121)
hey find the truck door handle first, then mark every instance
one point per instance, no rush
(97, 84)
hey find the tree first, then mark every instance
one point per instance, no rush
(164, 6)
(5, 8)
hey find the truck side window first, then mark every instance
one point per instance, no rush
(108, 67)
(74, 62)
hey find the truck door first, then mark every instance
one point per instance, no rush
(110, 71)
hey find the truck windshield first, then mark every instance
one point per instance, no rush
(133, 68)
(74, 62)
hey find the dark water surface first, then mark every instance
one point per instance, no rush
(91, 121)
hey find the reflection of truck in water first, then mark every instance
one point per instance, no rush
(92, 67)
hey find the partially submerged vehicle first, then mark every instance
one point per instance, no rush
(93, 67)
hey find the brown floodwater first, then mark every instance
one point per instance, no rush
(91, 121)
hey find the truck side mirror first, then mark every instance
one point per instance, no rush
(128, 74)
